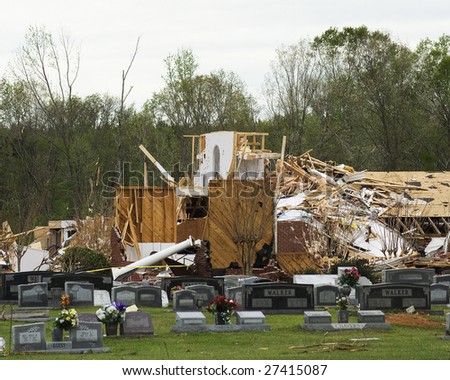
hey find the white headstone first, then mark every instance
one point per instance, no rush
(101, 297)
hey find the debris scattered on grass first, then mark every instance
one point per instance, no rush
(326, 347)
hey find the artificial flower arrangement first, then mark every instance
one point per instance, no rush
(342, 303)
(67, 318)
(174, 289)
(224, 306)
(350, 277)
(112, 313)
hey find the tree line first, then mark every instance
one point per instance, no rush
(353, 96)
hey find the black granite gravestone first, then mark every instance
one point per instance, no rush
(442, 278)
(408, 275)
(169, 283)
(392, 296)
(205, 294)
(33, 295)
(149, 296)
(11, 281)
(185, 300)
(278, 298)
(325, 295)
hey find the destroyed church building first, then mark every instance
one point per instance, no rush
(245, 201)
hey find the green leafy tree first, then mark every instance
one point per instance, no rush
(191, 103)
(434, 77)
(374, 76)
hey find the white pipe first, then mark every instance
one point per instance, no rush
(119, 274)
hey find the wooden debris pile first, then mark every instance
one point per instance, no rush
(327, 185)
(94, 233)
(346, 210)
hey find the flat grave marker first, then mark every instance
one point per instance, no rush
(317, 317)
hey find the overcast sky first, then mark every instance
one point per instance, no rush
(234, 35)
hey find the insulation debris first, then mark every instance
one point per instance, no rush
(374, 215)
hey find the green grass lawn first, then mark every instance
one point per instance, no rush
(285, 341)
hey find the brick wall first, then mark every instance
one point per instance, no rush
(290, 236)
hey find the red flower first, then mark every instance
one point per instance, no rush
(350, 277)
(221, 304)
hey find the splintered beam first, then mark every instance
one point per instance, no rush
(163, 171)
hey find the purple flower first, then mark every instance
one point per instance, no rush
(120, 306)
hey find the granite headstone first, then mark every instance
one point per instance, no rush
(442, 278)
(137, 323)
(205, 293)
(124, 293)
(87, 335)
(278, 298)
(101, 297)
(30, 337)
(33, 295)
(235, 294)
(184, 300)
(439, 293)
(80, 293)
(169, 283)
(393, 296)
(408, 275)
(325, 295)
(149, 296)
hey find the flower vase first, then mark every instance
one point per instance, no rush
(223, 318)
(342, 315)
(345, 290)
(219, 319)
(57, 334)
(111, 328)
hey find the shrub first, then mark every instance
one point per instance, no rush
(79, 258)
(365, 268)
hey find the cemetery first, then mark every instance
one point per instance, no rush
(269, 320)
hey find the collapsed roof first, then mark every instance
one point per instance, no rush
(378, 215)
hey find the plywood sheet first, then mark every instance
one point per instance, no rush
(152, 216)
(239, 212)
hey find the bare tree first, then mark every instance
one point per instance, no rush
(290, 89)
(244, 216)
